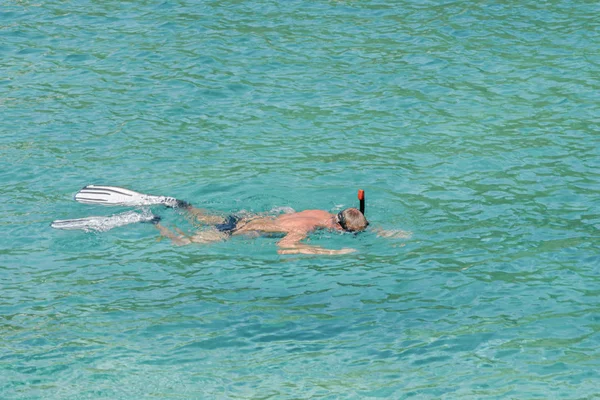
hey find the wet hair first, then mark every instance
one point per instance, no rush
(352, 220)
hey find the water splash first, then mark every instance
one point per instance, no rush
(103, 224)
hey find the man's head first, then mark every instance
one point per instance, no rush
(352, 220)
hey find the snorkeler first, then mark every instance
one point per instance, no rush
(294, 226)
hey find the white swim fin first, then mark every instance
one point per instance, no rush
(103, 224)
(118, 196)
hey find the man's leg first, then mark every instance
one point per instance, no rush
(203, 217)
(209, 236)
(180, 240)
(206, 236)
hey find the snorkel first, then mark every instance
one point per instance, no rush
(361, 198)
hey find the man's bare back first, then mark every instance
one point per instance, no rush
(304, 221)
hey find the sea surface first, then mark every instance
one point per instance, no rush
(473, 125)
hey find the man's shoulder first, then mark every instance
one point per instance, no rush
(315, 212)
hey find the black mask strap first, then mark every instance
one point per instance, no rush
(342, 221)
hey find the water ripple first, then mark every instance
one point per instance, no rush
(473, 126)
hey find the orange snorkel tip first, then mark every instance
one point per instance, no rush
(361, 198)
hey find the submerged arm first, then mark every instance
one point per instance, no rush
(290, 244)
(392, 234)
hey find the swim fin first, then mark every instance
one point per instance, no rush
(118, 196)
(103, 224)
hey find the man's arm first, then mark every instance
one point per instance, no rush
(290, 244)
(392, 234)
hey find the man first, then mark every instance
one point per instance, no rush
(295, 226)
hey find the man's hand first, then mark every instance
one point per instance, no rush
(314, 250)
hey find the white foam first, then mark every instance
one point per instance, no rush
(103, 224)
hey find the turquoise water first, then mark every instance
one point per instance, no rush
(473, 125)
